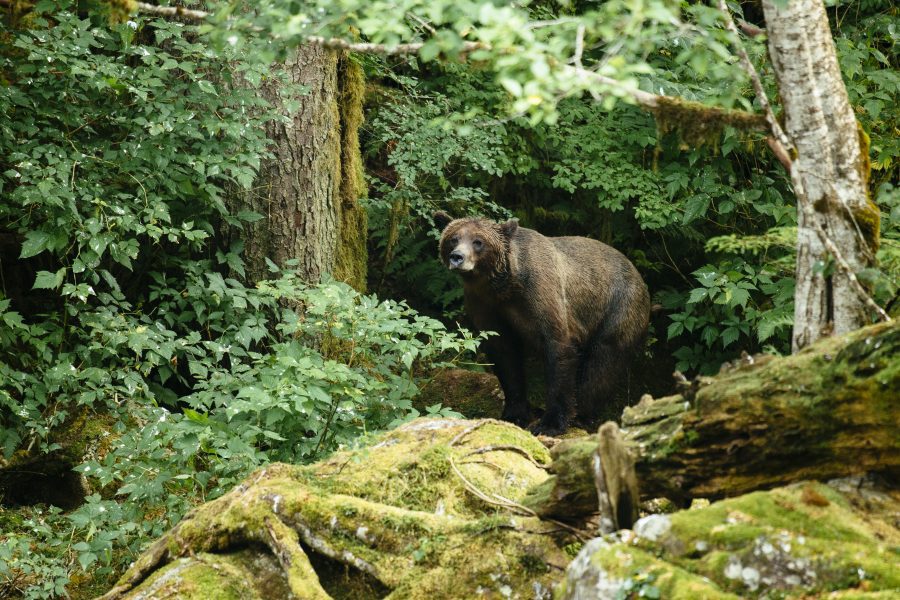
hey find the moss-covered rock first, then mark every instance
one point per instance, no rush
(475, 395)
(800, 541)
(428, 510)
(435, 509)
(31, 476)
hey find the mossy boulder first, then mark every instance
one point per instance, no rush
(475, 395)
(428, 510)
(800, 541)
(33, 475)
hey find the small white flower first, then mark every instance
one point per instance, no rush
(131, 24)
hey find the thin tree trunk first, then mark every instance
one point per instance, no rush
(831, 166)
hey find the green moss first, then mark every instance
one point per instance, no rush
(643, 569)
(475, 395)
(352, 253)
(411, 552)
(697, 124)
(239, 576)
(410, 467)
(806, 535)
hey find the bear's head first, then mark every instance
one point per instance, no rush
(474, 247)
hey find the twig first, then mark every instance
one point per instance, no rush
(481, 422)
(369, 48)
(780, 152)
(422, 22)
(173, 11)
(497, 499)
(832, 248)
(845, 267)
(579, 47)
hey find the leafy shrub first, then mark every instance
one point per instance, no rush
(127, 309)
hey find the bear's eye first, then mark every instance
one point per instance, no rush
(454, 241)
(478, 244)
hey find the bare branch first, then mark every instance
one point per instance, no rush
(422, 22)
(579, 47)
(750, 29)
(173, 11)
(848, 271)
(398, 49)
(780, 153)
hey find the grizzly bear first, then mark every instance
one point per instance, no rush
(577, 304)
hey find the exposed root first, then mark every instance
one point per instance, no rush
(285, 545)
(509, 448)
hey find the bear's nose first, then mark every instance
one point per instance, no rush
(456, 258)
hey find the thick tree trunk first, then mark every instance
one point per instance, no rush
(831, 167)
(308, 190)
(829, 411)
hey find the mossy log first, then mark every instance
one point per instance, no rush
(829, 411)
(445, 508)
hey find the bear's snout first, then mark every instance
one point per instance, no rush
(456, 259)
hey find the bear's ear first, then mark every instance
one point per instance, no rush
(509, 228)
(441, 219)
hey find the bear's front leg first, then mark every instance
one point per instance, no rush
(560, 368)
(506, 355)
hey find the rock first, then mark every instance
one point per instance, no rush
(428, 510)
(652, 527)
(474, 395)
(763, 544)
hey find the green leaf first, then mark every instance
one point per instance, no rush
(429, 51)
(694, 208)
(729, 336)
(46, 280)
(697, 294)
(35, 243)
(86, 559)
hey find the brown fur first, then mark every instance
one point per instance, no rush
(578, 303)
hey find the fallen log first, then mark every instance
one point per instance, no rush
(829, 411)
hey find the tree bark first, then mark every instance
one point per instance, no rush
(831, 169)
(827, 412)
(308, 190)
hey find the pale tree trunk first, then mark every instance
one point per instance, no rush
(830, 170)
(308, 191)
